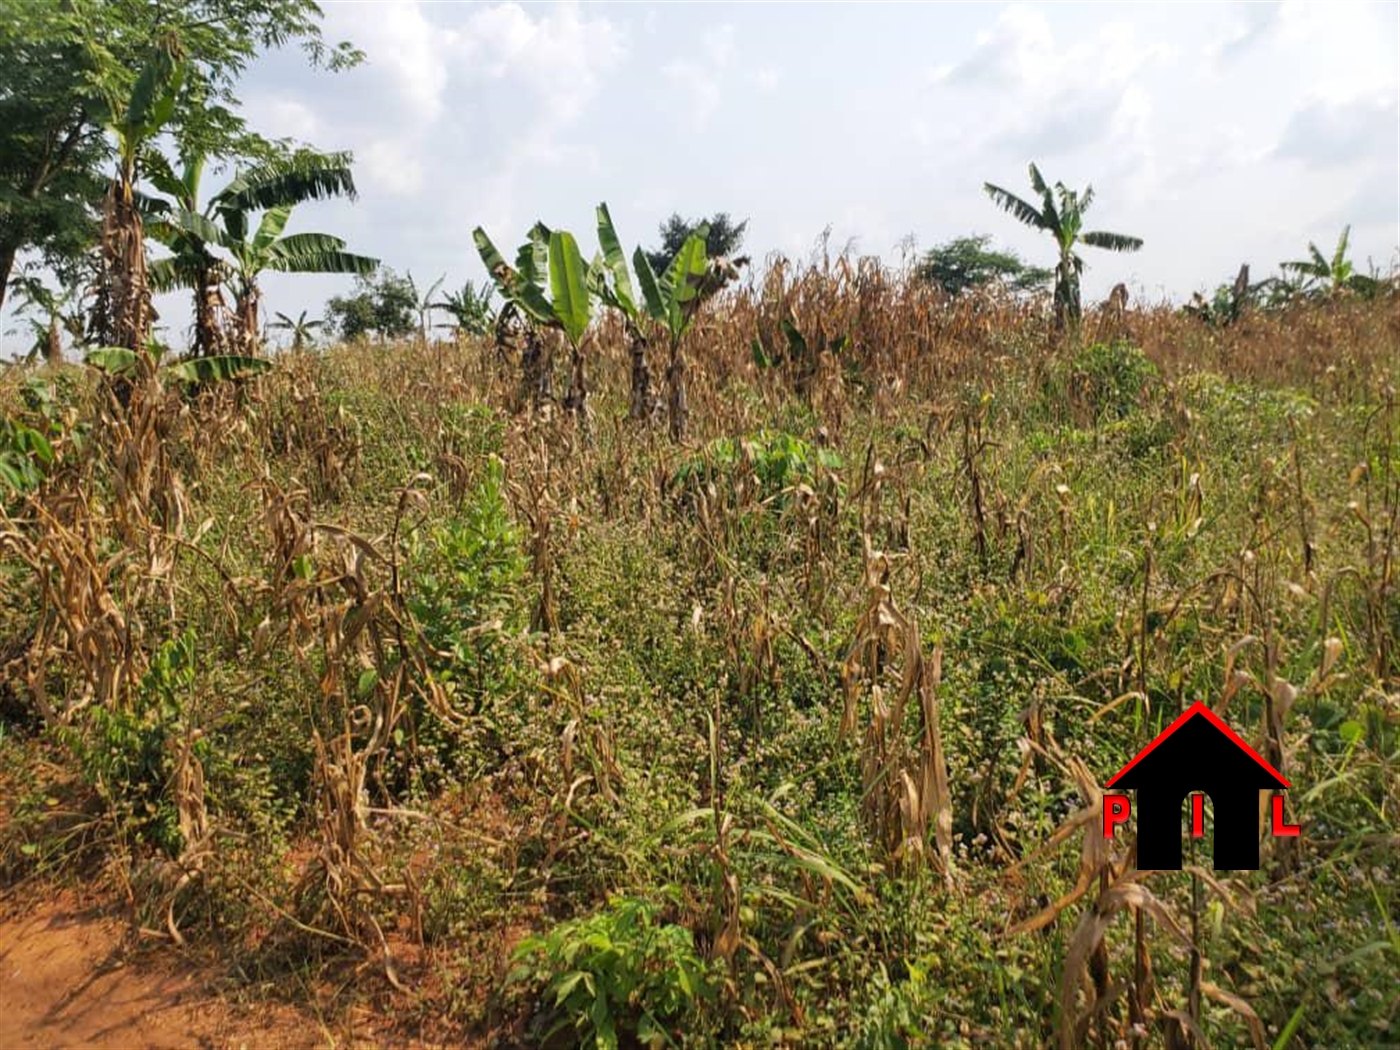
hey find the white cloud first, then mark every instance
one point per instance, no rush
(561, 55)
(766, 78)
(401, 46)
(699, 82)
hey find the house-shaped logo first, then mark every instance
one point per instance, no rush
(1197, 755)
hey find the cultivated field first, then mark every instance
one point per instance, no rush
(433, 708)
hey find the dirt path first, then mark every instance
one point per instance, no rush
(68, 980)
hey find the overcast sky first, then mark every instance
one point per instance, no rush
(1218, 133)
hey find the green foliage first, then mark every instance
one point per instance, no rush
(470, 309)
(464, 575)
(1061, 214)
(723, 238)
(63, 62)
(383, 304)
(623, 974)
(970, 262)
(549, 259)
(1110, 378)
(776, 459)
(25, 456)
(1329, 276)
(124, 754)
(119, 361)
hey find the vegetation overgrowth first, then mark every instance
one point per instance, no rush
(766, 700)
(359, 668)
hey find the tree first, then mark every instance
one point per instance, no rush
(62, 61)
(383, 304)
(469, 308)
(424, 306)
(303, 331)
(971, 262)
(549, 287)
(122, 313)
(273, 187)
(1329, 277)
(675, 299)
(58, 312)
(725, 238)
(1061, 215)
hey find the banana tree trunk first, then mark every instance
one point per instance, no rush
(210, 336)
(536, 370)
(125, 296)
(577, 397)
(641, 406)
(675, 386)
(53, 343)
(248, 310)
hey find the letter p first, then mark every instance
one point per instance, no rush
(1116, 809)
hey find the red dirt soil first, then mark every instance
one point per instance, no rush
(68, 979)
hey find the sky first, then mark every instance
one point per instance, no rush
(1219, 134)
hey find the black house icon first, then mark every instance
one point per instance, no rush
(1198, 752)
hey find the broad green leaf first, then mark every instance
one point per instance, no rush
(797, 342)
(114, 360)
(218, 369)
(651, 290)
(494, 262)
(1008, 201)
(274, 221)
(322, 262)
(572, 304)
(149, 92)
(532, 260)
(1113, 242)
(194, 225)
(616, 262)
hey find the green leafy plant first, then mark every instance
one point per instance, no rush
(463, 572)
(1061, 214)
(1109, 378)
(777, 460)
(1330, 276)
(803, 353)
(122, 309)
(470, 309)
(622, 974)
(966, 263)
(126, 754)
(119, 361)
(302, 329)
(273, 187)
(674, 300)
(549, 286)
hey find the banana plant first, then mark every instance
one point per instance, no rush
(470, 309)
(122, 310)
(273, 188)
(566, 306)
(175, 222)
(1330, 277)
(610, 281)
(674, 300)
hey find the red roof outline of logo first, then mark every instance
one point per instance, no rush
(1199, 708)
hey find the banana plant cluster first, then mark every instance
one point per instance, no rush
(551, 288)
(220, 243)
(548, 289)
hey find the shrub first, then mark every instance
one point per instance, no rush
(621, 972)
